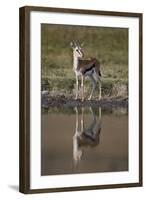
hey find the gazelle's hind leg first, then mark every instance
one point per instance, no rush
(82, 88)
(77, 119)
(77, 87)
(82, 120)
(99, 81)
(94, 82)
(94, 121)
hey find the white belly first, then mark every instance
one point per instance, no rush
(88, 73)
(78, 73)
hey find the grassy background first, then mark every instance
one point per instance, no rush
(109, 45)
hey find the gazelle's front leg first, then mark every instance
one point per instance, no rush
(82, 87)
(77, 151)
(77, 87)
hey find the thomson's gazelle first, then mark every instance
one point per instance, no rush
(85, 67)
(86, 135)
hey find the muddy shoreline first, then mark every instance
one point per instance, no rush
(48, 101)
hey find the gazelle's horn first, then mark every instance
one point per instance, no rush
(77, 42)
(82, 44)
(73, 44)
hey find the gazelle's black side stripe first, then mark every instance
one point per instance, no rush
(89, 136)
(92, 66)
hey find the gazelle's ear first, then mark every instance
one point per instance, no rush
(82, 44)
(72, 45)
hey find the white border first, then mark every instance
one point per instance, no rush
(132, 176)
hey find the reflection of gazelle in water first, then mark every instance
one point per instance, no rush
(85, 136)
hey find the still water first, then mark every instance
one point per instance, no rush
(84, 140)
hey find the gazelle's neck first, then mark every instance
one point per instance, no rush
(75, 62)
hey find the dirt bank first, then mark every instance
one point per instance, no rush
(62, 100)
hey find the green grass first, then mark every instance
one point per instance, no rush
(109, 45)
